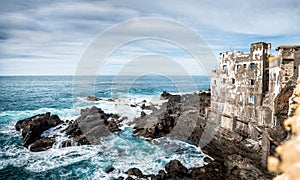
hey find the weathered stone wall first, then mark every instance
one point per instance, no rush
(253, 86)
(239, 85)
(296, 62)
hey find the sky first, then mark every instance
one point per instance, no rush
(51, 37)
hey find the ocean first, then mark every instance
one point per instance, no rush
(26, 96)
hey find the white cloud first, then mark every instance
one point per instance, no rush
(47, 33)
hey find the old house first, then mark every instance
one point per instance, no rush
(252, 90)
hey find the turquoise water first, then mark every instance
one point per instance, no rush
(25, 96)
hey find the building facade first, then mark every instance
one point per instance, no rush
(249, 90)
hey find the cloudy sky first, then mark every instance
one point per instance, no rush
(50, 37)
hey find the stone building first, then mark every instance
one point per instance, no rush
(252, 90)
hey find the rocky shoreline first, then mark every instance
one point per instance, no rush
(180, 117)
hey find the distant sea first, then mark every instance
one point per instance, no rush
(25, 96)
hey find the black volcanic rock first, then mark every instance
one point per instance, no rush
(42, 144)
(175, 169)
(92, 125)
(33, 127)
(135, 172)
(89, 128)
(93, 98)
(165, 95)
(176, 117)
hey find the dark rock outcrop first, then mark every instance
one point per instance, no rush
(175, 169)
(233, 156)
(42, 144)
(135, 172)
(33, 127)
(93, 98)
(179, 114)
(92, 125)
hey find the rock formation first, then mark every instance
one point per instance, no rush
(32, 129)
(176, 117)
(286, 160)
(92, 98)
(92, 125)
(89, 128)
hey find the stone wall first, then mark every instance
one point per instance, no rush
(254, 86)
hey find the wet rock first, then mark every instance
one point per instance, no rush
(165, 95)
(144, 107)
(93, 98)
(89, 128)
(113, 99)
(113, 126)
(135, 172)
(161, 174)
(159, 123)
(234, 159)
(109, 169)
(179, 112)
(143, 114)
(92, 125)
(175, 169)
(33, 127)
(42, 144)
(66, 143)
(214, 170)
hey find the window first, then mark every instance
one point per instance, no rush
(215, 82)
(252, 82)
(252, 66)
(224, 80)
(238, 66)
(224, 67)
(245, 65)
(233, 80)
(251, 100)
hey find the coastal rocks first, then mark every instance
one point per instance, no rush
(213, 170)
(33, 127)
(159, 122)
(238, 160)
(167, 96)
(175, 169)
(89, 128)
(176, 118)
(92, 125)
(42, 144)
(135, 172)
(92, 98)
